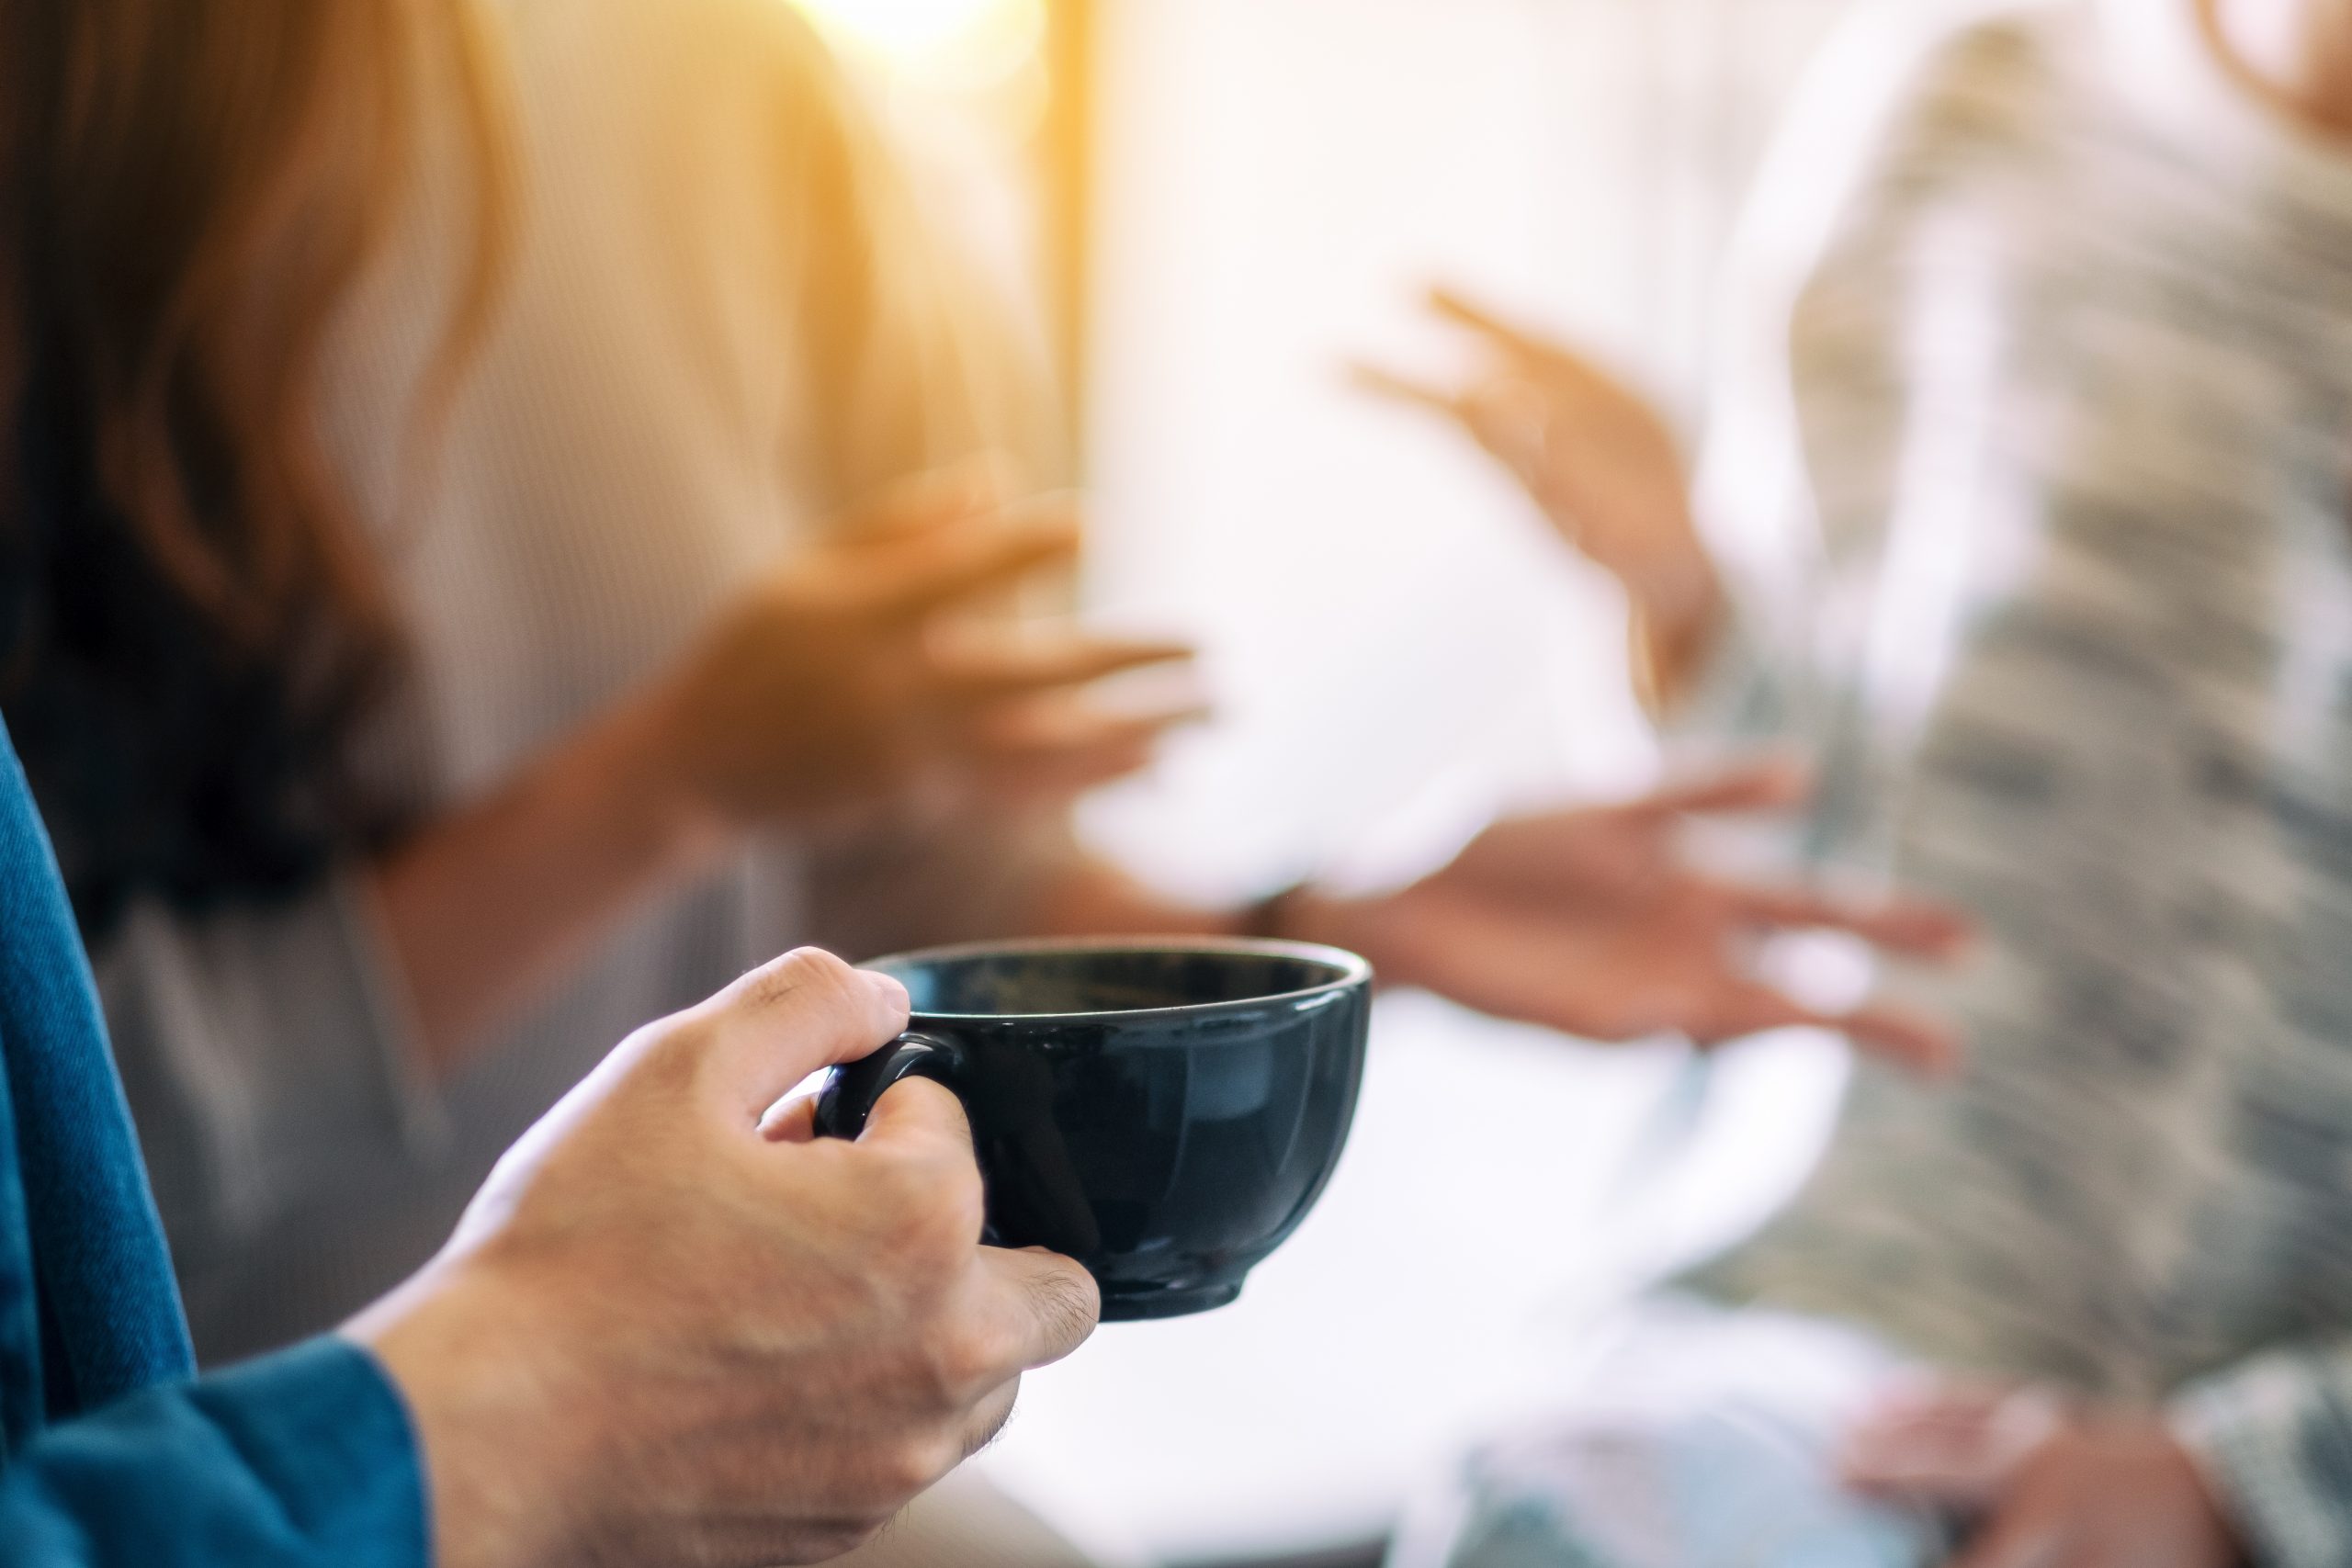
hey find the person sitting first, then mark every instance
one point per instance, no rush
(2028, 507)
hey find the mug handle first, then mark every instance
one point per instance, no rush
(851, 1090)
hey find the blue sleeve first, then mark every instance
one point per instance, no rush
(303, 1459)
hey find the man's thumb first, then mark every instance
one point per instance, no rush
(792, 1017)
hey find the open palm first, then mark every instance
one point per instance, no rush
(1596, 922)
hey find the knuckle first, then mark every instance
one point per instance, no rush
(807, 980)
(672, 1050)
(967, 1360)
(950, 1230)
(803, 970)
(823, 1543)
(934, 1202)
(920, 1260)
(905, 1190)
(993, 1426)
(913, 1466)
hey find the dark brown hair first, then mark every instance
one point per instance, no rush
(194, 625)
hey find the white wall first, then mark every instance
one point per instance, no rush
(1280, 179)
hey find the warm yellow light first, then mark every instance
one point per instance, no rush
(948, 37)
(903, 27)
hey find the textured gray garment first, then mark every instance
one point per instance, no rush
(636, 441)
(2064, 601)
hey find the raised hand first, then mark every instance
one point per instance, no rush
(863, 675)
(1595, 922)
(2046, 1485)
(1597, 458)
(670, 1332)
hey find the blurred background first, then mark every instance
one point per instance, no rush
(1224, 210)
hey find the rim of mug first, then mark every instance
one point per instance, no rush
(1354, 969)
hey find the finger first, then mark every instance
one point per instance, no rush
(1021, 667)
(1914, 1470)
(1919, 1418)
(1919, 1046)
(917, 576)
(1061, 776)
(1903, 1039)
(1384, 383)
(1943, 1455)
(1039, 733)
(956, 492)
(791, 1121)
(1917, 1402)
(921, 1120)
(2020, 1535)
(1915, 927)
(1513, 419)
(1520, 342)
(1048, 1305)
(1773, 784)
(796, 1015)
(990, 1416)
(1070, 754)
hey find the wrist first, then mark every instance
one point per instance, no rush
(1675, 617)
(1274, 917)
(502, 1463)
(1678, 592)
(640, 761)
(1353, 925)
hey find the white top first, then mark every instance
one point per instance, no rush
(650, 423)
(2044, 469)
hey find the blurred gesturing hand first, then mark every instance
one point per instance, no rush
(860, 681)
(1594, 921)
(671, 1332)
(1596, 457)
(2048, 1486)
(859, 675)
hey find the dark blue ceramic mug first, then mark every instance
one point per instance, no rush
(1163, 1111)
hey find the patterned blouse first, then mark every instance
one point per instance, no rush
(2043, 471)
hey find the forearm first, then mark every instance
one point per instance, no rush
(301, 1461)
(1676, 628)
(490, 904)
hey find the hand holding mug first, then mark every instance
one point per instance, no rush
(861, 674)
(1164, 1111)
(668, 1333)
